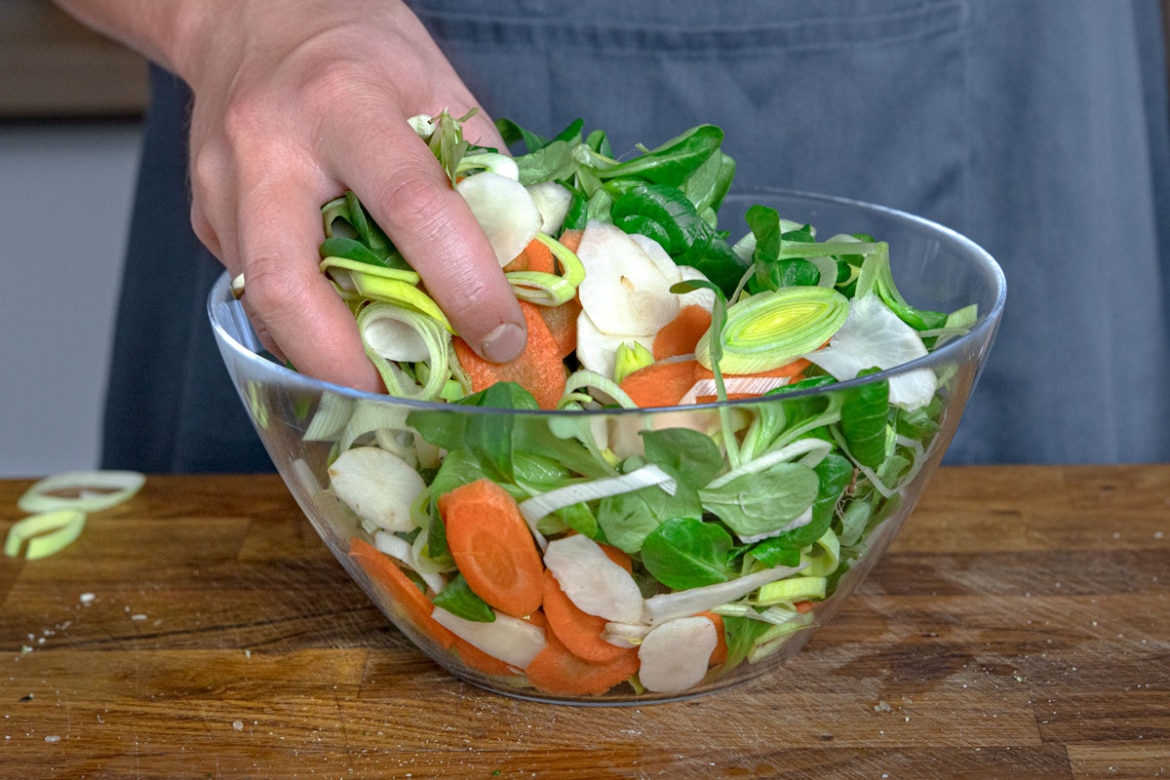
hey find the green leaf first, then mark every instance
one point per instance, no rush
(489, 436)
(350, 249)
(672, 215)
(460, 600)
(549, 163)
(753, 504)
(685, 454)
(684, 553)
(708, 185)
(793, 272)
(741, 634)
(580, 519)
(834, 473)
(863, 421)
(773, 552)
(627, 519)
(672, 162)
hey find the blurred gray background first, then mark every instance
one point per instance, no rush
(70, 111)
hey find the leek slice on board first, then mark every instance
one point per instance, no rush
(86, 491)
(44, 534)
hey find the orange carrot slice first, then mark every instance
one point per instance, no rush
(680, 335)
(474, 658)
(660, 384)
(403, 593)
(535, 257)
(557, 670)
(562, 323)
(493, 547)
(539, 369)
(578, 631)
(571, 239)
(792, 369)
(618, 556)
(719, 654)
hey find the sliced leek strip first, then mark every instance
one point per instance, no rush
(572, 269)
(540, 288)
(333, 412)
(402, 294)
(368, 269)
(823, 557)
(546, 289)
(768, 330)
(434, 337)
(793, 589)
(47, 533)
(584, 379)
(85, 491)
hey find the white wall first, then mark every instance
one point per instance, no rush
(65, 197)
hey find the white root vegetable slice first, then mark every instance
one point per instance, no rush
(624, 292)
(625, 634)
(593, 582)
(683, 603)
(44, 534)
(553, 200)
(504, 209)
(377, 485)
(661, 259)
(85, 491)
(674, 656)
(512, 640)
(872, 335)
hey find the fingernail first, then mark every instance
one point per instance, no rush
(504, 343)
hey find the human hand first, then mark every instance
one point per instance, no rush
(295, 104)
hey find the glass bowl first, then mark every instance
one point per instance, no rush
(638, 641)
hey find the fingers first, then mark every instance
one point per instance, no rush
(411, 197)
(279, 232)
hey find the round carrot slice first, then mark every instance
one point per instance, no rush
(578, 631)
(405, 596)
(557, 670)
(493, 547)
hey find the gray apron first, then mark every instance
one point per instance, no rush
(1038, 128)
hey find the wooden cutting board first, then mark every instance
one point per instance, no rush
(1019, 627)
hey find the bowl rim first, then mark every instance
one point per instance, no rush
(231, 336)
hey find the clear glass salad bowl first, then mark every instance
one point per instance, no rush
(625, 592)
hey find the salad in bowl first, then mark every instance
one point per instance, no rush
(728, 405)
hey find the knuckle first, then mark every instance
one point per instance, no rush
(412, 203)
(271, 289)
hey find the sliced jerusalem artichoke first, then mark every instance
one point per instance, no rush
(675, 655)
(512, 640)
(377, 485)
(505, 210)
(593, 582)
(624, 291)
(553, 200)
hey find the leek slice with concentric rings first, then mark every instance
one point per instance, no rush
(771, 329)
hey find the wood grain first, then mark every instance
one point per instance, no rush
(1019, 627)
